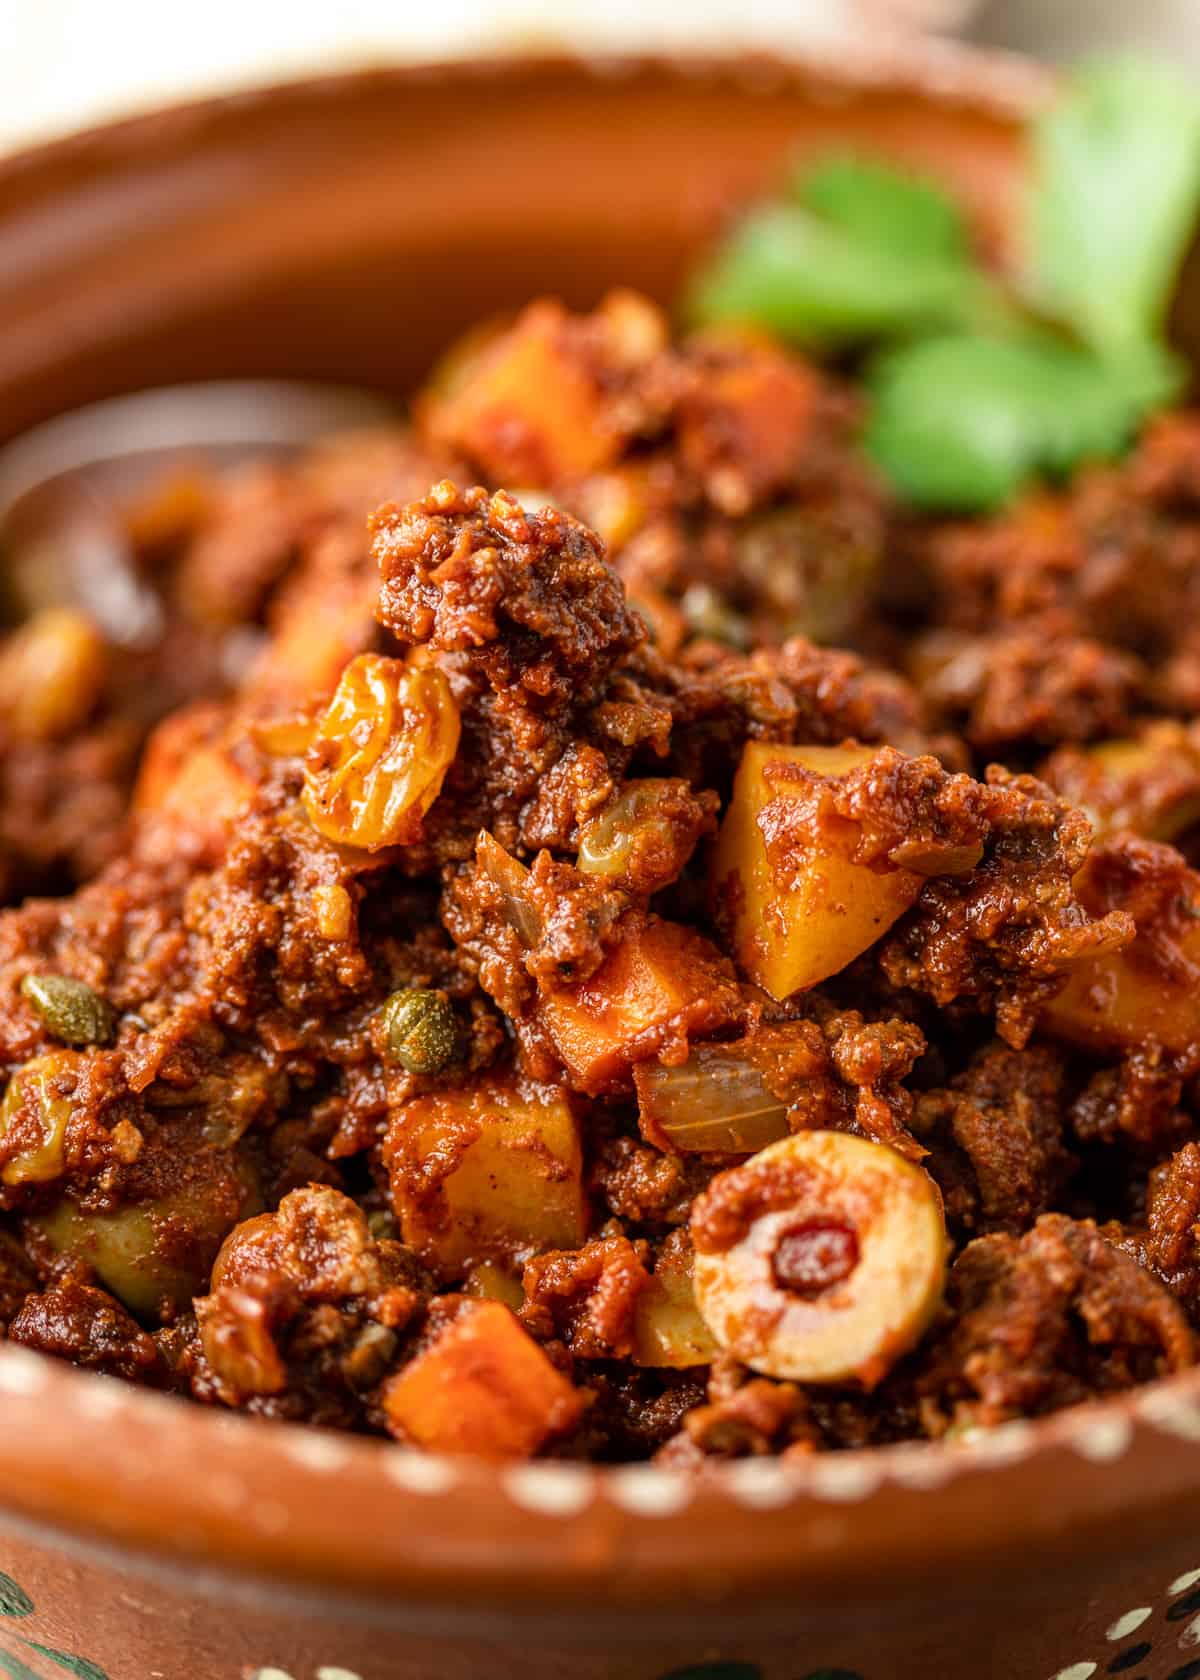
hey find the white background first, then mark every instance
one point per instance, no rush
(64, 63)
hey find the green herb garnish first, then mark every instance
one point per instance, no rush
(878, 205)
(1116, 179)
(977, 390)
(838, 268)
(962, 422)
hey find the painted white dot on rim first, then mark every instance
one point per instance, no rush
(1190, 1637)
(337, 1674)
(920, 1468)
(101, 1398)
(419, 1473)
(843, 1478)
(271, 1674)
(552, 1490)
(1003, 1444)
(317, 1452)
(646, 1492)
(760, 1483)
(21, 1372)
(1172, 1414)
(1101, 1440)
(1128, 1623)
(1181, 1583)
(1077, 1671)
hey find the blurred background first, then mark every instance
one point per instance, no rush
(69, 62)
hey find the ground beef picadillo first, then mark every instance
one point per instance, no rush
(648, 951)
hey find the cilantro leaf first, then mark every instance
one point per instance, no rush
(808, 281)
(884, 208)
(963, 423)
(1116, 188)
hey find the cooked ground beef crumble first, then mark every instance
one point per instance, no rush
(657, 954)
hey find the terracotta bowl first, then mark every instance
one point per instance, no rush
(344, 229)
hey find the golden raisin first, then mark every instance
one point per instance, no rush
(34, 1093)
(52, 671)
(380, 752)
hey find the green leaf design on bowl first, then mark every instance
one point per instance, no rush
(14, 1600)
(79, 1666)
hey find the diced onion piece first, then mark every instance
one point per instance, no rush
(380, 752)
(511, 880)
(606, 841)
(716, 1102)
(789, 934)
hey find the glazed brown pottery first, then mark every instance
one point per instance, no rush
(346, 229)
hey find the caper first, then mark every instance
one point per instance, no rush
(70, 1010)
(420, 1029)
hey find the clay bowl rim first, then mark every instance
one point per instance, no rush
(102, 1464)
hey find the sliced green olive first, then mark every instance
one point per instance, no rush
(158, 1253)
(70, 1009)
(421, 1030)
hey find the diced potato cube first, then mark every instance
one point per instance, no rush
(788, 934)
(483, 1386)
(1149, 783)
(668, 1328)
(661, 985)
(487, 1171)
(1148, 991)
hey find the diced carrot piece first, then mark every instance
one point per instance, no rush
(308, 650)
(534, 404)
(788, 934)
(487, 1170)
(188, 773)
(483, 1386)
(527, 409)
(661, 985)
